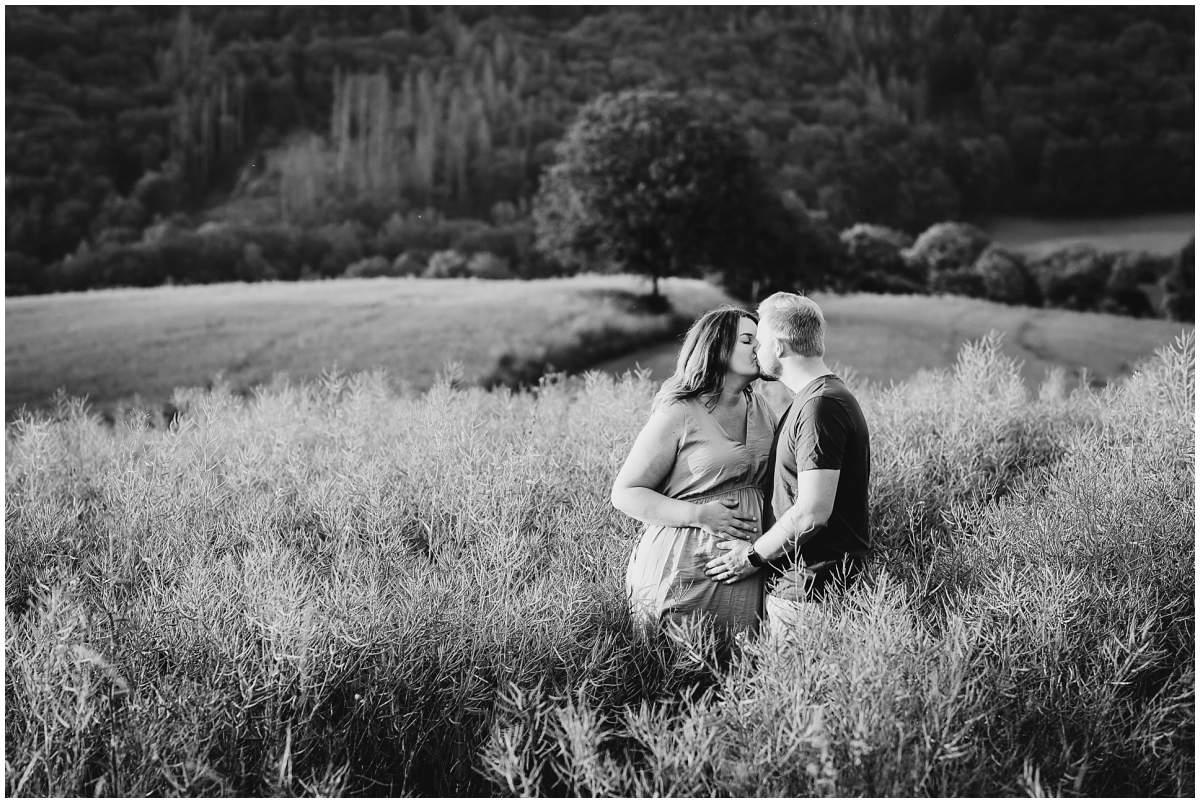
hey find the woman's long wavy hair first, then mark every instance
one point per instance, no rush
(704, 359)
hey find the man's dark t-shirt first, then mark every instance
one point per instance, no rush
(823, 429)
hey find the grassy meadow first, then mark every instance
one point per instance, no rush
(889, 338)
(332, 588)
(135, 346)
(128, 348)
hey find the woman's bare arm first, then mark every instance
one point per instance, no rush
(647, 466)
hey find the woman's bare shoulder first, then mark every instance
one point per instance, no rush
(673, 411)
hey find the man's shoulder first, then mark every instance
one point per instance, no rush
(828, 398)
(828, 391)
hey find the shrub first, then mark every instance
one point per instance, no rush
(876, 282)
(874, 260)
(64, 276)
(120, 213)
(1131, 273)
(488, 266)
(173, 226)
(512, 242)
(959, 282)
(158, 193)
(113, 266)
(448, 264)
(22, 274)
(504, 212)
(255, 267)
(1073, 277)
(346, 243)
(425, 230)
(1006, 278)
(538, 266)
(223, 252)
(1179, 301)
(294, 251)
(369, 267)
(117, 235)
(873, 244)
(948, 246)
(410, 263)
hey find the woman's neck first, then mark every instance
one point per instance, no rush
(731, 393)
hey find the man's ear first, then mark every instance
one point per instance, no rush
(781, 350)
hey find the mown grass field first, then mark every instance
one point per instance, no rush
(334, 589)
(123, 347)
(885, 338)
(138, 345)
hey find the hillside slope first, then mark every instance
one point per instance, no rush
(123, 345)
(120, 346)
(885, 338)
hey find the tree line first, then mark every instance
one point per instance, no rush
(123, 119)
(660, 184)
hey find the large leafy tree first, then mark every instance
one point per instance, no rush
(659, 184)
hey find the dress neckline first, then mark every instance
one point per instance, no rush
(746, 425)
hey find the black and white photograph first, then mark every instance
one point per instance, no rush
(551, 401)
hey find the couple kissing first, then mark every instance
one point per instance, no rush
(750, 519)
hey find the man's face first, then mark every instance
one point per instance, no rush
(769, 366)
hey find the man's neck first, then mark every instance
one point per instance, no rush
(799, 371)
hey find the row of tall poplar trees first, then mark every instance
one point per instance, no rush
(458, 137)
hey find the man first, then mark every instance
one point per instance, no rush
(816, 519)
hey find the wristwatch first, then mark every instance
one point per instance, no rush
(756, 560)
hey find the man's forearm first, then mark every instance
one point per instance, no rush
(792, 531)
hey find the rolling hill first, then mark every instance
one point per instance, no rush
(136, 346)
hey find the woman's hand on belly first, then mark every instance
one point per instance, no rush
(719, 518)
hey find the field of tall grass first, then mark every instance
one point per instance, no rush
(331, 588)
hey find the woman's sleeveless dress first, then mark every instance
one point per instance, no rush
(665, 579)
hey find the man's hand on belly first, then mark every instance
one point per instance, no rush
(734, 565)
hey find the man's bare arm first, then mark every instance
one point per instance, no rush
(816, 490)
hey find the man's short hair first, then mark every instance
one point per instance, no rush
(798, 320)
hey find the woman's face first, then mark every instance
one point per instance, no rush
(743, 362)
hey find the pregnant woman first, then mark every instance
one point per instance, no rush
(695, 476)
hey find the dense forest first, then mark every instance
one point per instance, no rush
(338, 134)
